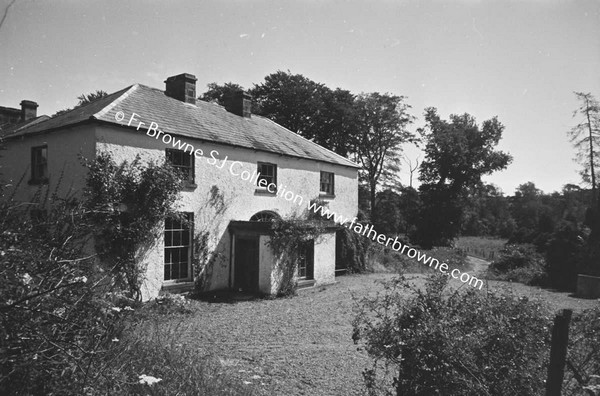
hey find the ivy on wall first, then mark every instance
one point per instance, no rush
(286, 239)
(127, 204)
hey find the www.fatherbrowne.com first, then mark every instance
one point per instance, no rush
(235, 168)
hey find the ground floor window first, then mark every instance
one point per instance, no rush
(306, 260)
(178, 247)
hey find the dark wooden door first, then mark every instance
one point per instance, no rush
(246, 264)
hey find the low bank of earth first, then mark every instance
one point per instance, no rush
(302, 345)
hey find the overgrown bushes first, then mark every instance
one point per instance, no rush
(127, 204)
(432, 342)
(520, 263)
(55, 318)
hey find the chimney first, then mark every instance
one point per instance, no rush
(182, 87)
(28, 110)
(240, 104)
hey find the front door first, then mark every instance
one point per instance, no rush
(246, 264)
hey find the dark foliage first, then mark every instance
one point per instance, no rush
(128, 204)
(431, 342)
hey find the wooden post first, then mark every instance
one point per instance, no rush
(558, 352)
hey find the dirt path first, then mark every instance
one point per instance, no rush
(480, 266)
(303, 345)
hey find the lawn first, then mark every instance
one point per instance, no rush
(301, 345)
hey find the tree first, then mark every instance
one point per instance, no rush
(308, 108)
(291, 100)
(83, 99)
(457, 154)
(585, 136)
(388, 217)
(221, 94)
(88, 98)
(381, 120)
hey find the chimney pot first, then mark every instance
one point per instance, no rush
(28, 110)
(182, 87)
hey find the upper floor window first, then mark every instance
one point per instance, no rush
(183, 162)
(39, 165)
(326, 185)
(268, 173)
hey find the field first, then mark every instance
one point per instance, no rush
(485, 248)
(301, 345)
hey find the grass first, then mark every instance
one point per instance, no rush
(382, 259)
(295, 346)
(482, 247)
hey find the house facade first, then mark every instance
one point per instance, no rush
(242, 171)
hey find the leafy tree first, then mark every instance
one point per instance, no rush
(382, 120)
(388, 217)
(221, 94)
(585, 136)
(308, 108)
(88, 98)
(83, 99)
(458, 153)
(487, 212)
(291, 100)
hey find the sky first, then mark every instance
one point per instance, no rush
(518, 60)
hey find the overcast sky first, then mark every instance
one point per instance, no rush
(518, 60)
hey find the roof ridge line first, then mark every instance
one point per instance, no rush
(112, 104)
(310, 141)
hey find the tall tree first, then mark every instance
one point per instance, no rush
(291, 100)
(308, 108)
(382, 120)
(221, 94)
(457, 154)
(585, 136)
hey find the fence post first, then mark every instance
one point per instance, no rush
(558, 352)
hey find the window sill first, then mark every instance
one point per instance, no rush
(306, 283)
(188, 186)
(326, 195)
(264, 191)
(37, 182)
(178, 286)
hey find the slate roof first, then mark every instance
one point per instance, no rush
(205, 121)
(12, 129)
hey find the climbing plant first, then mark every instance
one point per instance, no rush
(286, 239)
(127, 204)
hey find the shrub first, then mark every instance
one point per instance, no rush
(391, 260)
(128, 204)
(564, 256)
(431, 342)
(583, 354)
(286, 239)
(519, 263)
(55, 318)
(351, 251)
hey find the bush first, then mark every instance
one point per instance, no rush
(393, 261)
(564, 256)
(431, 342)
(55, 318)
(583, 354)
(519, 263)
